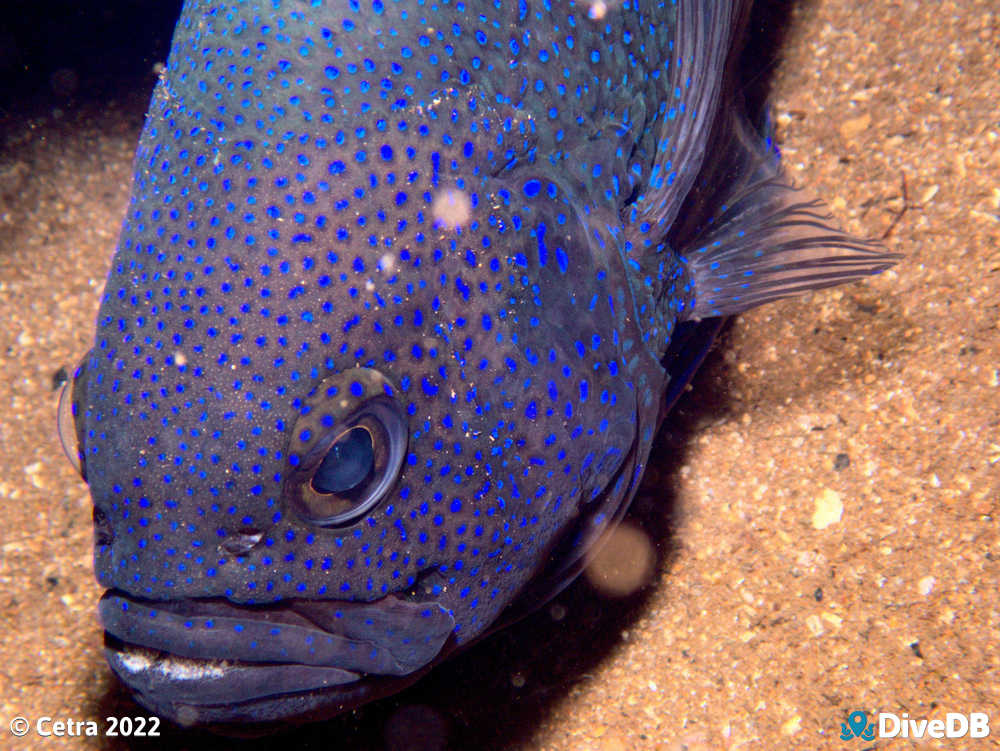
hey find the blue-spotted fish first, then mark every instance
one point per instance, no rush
(401, 292)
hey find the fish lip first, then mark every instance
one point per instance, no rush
(168, 683)
(199, 660)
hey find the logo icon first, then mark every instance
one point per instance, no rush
(857, 727)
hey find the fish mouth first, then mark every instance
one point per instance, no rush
(211, 661)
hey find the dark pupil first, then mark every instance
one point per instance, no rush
(346, 464)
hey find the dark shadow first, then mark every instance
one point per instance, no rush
(63, 54)
(764, 40)
(496, 694)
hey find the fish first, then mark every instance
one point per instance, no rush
(402, 294)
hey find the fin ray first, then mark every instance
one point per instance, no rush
(763, 238)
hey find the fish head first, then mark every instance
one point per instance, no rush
(366, 375)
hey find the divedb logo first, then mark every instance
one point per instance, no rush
(889, 725)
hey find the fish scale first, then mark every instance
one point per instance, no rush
(389, 324)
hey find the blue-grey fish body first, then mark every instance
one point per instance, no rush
(388, 328)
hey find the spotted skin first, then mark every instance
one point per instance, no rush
(469, 228)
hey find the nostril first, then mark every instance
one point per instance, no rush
(241, 542)
(102, 528)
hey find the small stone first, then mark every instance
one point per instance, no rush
(829, 508)
(832, 618)
(926, 585)
(815, 625)
(855, 126)
(791, 726)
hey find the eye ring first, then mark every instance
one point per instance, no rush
(66, 423)
(347, 448)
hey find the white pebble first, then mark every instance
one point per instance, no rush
(829, 509)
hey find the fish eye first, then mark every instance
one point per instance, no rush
(69, 435)
(346, 449)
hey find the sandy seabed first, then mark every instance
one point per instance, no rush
(824, 506)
